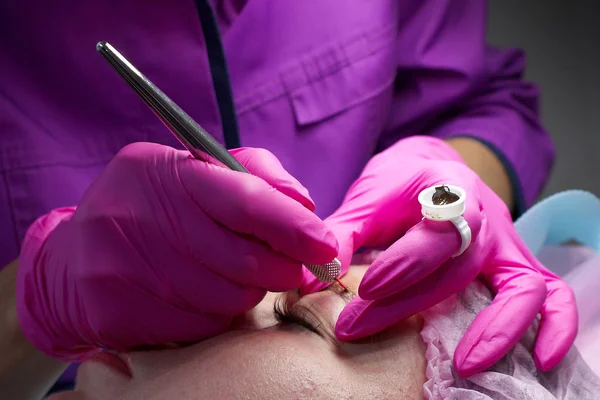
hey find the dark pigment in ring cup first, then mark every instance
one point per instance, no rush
(443, 196)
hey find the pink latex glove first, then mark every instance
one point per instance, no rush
(165, 248)
(417, 270)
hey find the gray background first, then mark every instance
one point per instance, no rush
(561, 40)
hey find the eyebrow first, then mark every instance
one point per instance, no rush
(344, 294)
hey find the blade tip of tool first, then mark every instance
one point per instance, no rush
(341, 284)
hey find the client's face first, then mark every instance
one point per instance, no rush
(270, 356)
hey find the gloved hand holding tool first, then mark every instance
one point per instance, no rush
(156, 239)
(421, 266)
(166, 248)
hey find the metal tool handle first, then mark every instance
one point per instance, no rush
(195, 139)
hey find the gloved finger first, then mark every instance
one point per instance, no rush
(498, 327)
(197, 290)
(252, 263)
(422, 250)
(311, 284)
(559, 323)
(206, 292)
(241, 259)
(248, 205)
(264, 164)
(558, 326)
(366, 257)
(176, 277)
(344, 234)
(361, 318)
(156, 328)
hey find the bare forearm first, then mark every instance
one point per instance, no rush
(25, 372)
(481, 160)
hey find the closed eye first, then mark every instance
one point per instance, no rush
(285, 312)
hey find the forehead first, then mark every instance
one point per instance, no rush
(279, 364)
(259, 359)
(267, 364)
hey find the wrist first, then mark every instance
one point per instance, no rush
(486, 165)
(476, 155)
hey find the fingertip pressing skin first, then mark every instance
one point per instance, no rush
(409, 260)
(344, 330)
(364, 317)
(356, 323)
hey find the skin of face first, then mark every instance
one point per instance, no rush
(261, 357)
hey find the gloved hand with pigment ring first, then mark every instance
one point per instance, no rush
(421, 265)
(165, 248)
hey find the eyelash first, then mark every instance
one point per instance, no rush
(286, 313)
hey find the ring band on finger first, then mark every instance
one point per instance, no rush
(447, 203)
